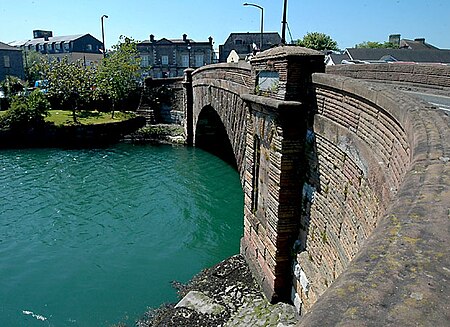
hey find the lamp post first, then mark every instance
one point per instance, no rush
(262, 22)
(103, 35)
(189, 56)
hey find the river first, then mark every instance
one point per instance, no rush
(93, 237)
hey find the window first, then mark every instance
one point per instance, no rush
(88, 47)
(164, 60)
(6, 61)
(199, 60)
(185, 60)
(58, 46)
(238, 41)
(66, 46)
(49, 47)
(144, 61)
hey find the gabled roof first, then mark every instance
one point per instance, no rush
(337, 57)
(408, 55)
(4, 46)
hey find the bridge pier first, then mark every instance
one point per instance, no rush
(279, 114)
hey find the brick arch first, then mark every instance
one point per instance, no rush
(219, 88)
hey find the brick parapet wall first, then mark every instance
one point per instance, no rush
(380, 202)
(429, 75)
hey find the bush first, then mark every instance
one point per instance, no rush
(26, 111)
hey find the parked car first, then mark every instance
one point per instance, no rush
(42, 85)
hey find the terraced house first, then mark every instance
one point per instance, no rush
(170, 57)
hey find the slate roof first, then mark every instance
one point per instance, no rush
(52, 39)
(4, 46)
(269, 38)
(407, 55)
(337, 58)
(416, 44)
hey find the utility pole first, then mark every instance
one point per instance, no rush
(283, 23)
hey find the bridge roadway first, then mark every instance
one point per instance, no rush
(440, 101)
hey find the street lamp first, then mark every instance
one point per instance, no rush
(262, 22)
(103, 35)
(189, 57)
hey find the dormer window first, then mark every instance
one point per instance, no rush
(238, 41)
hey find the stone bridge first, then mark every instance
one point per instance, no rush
(346, 184)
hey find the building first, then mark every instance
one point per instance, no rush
(245, 43)
(83, 47)
(11, 62)
(416, 50)
(170, 57)
(236, 57)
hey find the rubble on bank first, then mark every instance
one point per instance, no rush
(224, 295)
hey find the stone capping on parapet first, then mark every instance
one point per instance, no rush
(286, 51)
(270, 102)
(241, 65)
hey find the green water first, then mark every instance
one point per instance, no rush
(94, 237)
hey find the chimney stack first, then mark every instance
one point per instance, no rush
(184, 37)
(421, 40)
(210, 39)
(394, 39)
(152, 38)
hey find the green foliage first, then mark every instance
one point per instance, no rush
(32, 61)
(318, 41)
(26, 111)
(376, 45)
(118, 73)
(76, 87)
(12, 86)
(69, 82)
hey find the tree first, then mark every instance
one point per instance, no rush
(32, 61)
(26, 111)
(12, 86)
(118, 73)
(70, 82)
(376, 45)
(318, 41)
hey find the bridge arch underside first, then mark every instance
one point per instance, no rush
(211, 136)
(220, 123)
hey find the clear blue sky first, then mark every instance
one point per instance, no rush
(348, 22)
